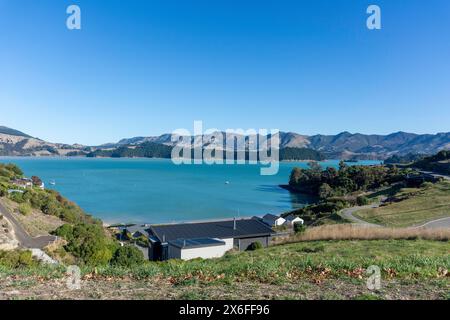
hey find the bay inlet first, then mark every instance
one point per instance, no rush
(157, 191)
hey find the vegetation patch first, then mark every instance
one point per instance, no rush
(437, 163)
(308, 270)
(411, 206)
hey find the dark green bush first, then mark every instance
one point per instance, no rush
(299, 228)
(255, 246)
(127, 256)
(142, 241)
(88, 243)
(17, 197)
(329, 182)
(362, 201)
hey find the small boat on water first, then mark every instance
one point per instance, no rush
(227, 182)
(52, 183)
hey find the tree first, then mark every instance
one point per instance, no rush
(15, 169)
(362, 201)
(325, 191)
(314, 167)
(342, 165)
(296, 173)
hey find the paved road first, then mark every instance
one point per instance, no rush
(348, 214)
(436, 175)
(25, 240)
(437, 224)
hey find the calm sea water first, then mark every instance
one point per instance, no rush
(156, 191)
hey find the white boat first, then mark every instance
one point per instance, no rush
(52, 183)
(227, 182)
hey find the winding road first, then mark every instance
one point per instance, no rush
(25, 240)
(434, 224)
(436, 175)
(348, 214)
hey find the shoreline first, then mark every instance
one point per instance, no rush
(111, 225)
(168, 159)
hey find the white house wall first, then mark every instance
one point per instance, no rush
(275, 223)
(206, 252)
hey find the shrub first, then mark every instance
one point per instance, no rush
(16, 259)
(25, 209)
(127, 256)
(142, 241)
(26, 258)
(362, 201)
(126, 236)
(299, 228)
(426, 185)
(255, 246)
(17, 197)
(88, 243)
(52, 203)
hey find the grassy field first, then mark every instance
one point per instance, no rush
(423, 205)
(411, 269)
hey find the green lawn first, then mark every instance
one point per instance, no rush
(424, 205)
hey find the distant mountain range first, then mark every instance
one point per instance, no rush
(16, 143)
(344, 145)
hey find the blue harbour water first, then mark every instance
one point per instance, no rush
(157, 191)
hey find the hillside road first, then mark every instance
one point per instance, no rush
(25, 240)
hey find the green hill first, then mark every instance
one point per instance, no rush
(439, 163)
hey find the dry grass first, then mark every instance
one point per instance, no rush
(36, 223)
(353, 232)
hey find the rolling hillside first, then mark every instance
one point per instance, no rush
(16, 143)
(344, 145)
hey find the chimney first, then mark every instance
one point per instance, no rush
(234, 223)
(164, 238)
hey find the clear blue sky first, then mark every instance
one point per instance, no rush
(149, 67)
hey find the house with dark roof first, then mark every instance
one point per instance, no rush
(273, 220)
(137, 231)
(205, 239)
(292, 219)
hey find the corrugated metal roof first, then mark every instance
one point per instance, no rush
(271, 217)
(216, 229)
(133, 229)
(196, 243)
